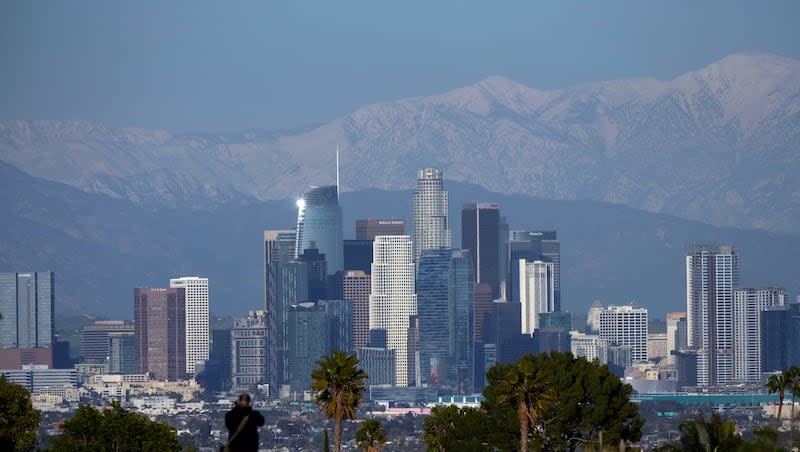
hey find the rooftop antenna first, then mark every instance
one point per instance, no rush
(337, 172)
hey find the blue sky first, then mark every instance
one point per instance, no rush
(198, 66)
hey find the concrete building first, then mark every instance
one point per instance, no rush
(625, 326)
(657, 348)
(712, 274)
(393, 298)
(589, 346)
(198, 341)
(676, 334)
(430, 210)
(39, 378)
(536, 292)
(356, 287)
(249, 351)
(747, 307)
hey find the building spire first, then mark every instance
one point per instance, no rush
(337, 172)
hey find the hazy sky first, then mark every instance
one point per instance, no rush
(217, 66)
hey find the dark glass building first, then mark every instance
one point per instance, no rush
(367, 229)
(462, 301)
(480, 234)
(434, 311)
(358, 255)
(288, 285)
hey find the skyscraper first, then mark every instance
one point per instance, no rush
(747, 307)
(288, 285)
(712, 274)
(249, 351)
(531, 246)
(279, 246)
(367, 229)
(319, 225)
(356, 289)
(27, 302)
(461, 299)
(480, 234)
(358, 255)
(536, 292)
(625, 326)
(94, 338)
(393, 297)
(307, 343)
(436, 316)
(197, 330)
(160, 323)
(430, 212)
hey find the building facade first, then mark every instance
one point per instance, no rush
(712, 274)
(94, 338)
(393, 296)
(249, 351)
(319, 225)
(198, 341)
(27, 302)
(480, 234)
(288, 285)
(430, 211)
(369, 228)
(160, 332)
(748, 304)
(122, 352)
(536, 292)
(626, 326)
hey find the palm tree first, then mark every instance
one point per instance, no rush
(370, 435)
(338, 384)
(521, 386)
(778, 383)
(793, 384)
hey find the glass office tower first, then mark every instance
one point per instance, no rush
(319, 225)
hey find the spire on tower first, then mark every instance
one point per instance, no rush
(337, 172)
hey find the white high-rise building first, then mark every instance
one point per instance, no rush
(626, 326)
(430, 212)
(197, 332)
(747, 307)
(536, 292)
(589, 346)
(712, 274)
(593, 317)
(393, 298)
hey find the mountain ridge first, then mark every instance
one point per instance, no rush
(718, 145)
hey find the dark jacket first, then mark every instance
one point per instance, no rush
(247, 439)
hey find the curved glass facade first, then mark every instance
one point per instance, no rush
(319, 225)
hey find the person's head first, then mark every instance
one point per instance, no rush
(244, 400)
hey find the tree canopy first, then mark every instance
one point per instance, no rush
(573, 401)
(113, 430)
(338, 385)
(18, 420)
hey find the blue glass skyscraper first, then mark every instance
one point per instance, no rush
(434, 312)
(26, 302)
(319, 225)
(445, 303)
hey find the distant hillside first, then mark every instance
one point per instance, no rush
(718, 145)
(101, 248)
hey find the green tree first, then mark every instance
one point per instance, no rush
(113, 430)
(18, 420)
(449, 428)
(584, 403)
(714, 434)
(793, 385)
(778, 383)
(370, 435)
(522, 387)
(338, 384)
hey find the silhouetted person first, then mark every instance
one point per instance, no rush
(242, 423)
